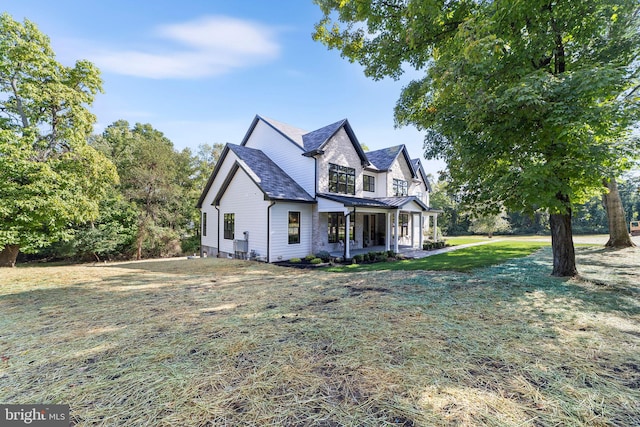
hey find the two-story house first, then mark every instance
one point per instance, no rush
(285, 192)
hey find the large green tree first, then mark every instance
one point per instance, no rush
(50, 177)
(527, 101)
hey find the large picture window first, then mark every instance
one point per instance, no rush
(369, 183)
(294, 227)
(400, 187)
(342, 179)
(337, 225)
(229, 225)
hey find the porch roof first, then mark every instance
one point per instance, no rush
(378, 202)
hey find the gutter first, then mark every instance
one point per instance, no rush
(269, 230)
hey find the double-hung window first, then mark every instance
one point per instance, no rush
(229, 225)
(369, 183)
(294, 227)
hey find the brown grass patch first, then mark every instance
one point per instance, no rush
(222, 342)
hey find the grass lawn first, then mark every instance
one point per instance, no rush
(463, 259)
(213, 342)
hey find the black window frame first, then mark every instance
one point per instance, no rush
(229, 226)
(336, 226)
(342, 179)
(400, 187)
(204, 223)
(294, 238)
(403, 224)
(368, 183)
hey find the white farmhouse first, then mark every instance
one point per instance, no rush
(286, 193)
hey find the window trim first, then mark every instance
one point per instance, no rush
(342, 179)
(368, 183)
(400, 187)
(296, 226)
(336, 227)
(204, 223)
(229, 226)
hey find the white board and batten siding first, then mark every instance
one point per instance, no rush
(281, 249)
(246, 201)
(284, 153)
(210, 237)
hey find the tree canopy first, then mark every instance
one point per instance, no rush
(49, 176)
(529, 103)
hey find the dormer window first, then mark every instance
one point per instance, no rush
(400, 187)
(342, 179)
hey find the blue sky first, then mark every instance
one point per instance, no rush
(199, 71)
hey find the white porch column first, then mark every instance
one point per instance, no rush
(435, 227)
(387, 240)
(347, 239)
(395, 229)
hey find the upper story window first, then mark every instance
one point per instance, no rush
(369, 183)
(342, 179)
(400, 187)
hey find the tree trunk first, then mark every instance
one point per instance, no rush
(8, 255)
(564, 256)
(618, 232)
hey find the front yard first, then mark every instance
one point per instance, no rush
(223, 342)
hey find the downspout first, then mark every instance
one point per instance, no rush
(347, 240)
(269, 230)
(218, 223)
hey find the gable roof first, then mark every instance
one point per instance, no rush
(315, 141)
(417, 165)
(274, 183)
(384, 158)
(291, 133)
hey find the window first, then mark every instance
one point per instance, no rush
(400, 187)
(369, 183)
(403, 220)
(342, 179)
(229, 225)
(336, 226)
(204, 223)
(294, 227)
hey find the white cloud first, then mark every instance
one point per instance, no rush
(206, 47)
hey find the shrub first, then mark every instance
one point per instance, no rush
(295, 260)
(316, 261)
(309, 257)
(371, 256)
(323, 255)
(391, 254)
(381, 257)
(358, 258)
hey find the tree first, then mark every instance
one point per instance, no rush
(49, 176)
(490, 223)
(527, 102)
(157, 180)
(618, 232)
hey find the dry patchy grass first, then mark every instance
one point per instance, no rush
(218, 342)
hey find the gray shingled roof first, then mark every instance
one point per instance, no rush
(273, 181)
(314, 140)
(382, 159)
(293, 133)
